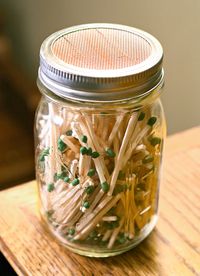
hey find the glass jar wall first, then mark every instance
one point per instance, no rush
(99, 135)
(98, 171)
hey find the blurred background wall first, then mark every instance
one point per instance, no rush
(175, 23)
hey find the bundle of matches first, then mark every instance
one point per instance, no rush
(99, 175)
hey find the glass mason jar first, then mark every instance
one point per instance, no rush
(99, 134)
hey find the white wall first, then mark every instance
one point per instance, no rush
(175, 23)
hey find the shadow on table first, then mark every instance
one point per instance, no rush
(6, 269)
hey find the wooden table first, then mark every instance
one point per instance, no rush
(172, 249)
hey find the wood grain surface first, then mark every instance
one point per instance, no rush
(172, 249)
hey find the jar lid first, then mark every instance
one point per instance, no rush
(101, 62)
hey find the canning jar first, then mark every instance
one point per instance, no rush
(99, 134)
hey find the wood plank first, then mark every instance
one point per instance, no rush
(172, 249)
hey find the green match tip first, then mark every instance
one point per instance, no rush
(83, 150)
(155, 141)
(151, 121)
(110, 153)
(89, 190)
(147, 159)
(44, 152)
(95, 154)
(69, 132)
(91, 172)
(66, 179)
(50, 187)
(89, 151)
(105, 186)
(75, 182)
(86, 204)
(141, 116)
(61, 145)
(71, 231)
(84, 139)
